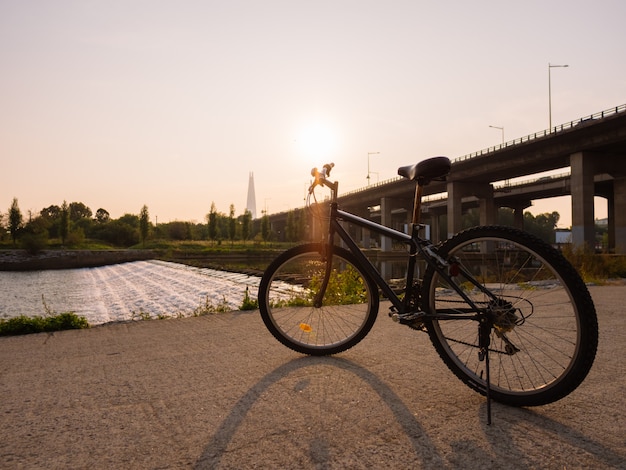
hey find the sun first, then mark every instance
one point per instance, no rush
(317, 141)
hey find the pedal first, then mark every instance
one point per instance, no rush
(410, 318)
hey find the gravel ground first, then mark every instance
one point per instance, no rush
(220, 392)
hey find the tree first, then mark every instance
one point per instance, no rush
(178, 230)
(506, 216)
(232, 224)
(34, 235)
(265, 227)
(542, 225)
(471, 218)
(144, 224)
(15, 220)
(121, 232)
(51, 213)
(246, 225)
(78, 211)
(290, 227)
(212, 220)
(102, 216)
(295, 228)
(64, 222)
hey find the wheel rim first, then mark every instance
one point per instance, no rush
(289, 302)
(536, 313)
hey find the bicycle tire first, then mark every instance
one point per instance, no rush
(348, 310)
(544, 310)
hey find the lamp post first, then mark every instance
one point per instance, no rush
(550, 67)
(368, 165)
(501, 129)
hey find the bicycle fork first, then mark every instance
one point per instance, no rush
(328, 257)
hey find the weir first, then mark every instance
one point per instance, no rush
(124, 292)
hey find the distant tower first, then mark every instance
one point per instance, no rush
(251, 204)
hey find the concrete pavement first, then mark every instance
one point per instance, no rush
(220, 392)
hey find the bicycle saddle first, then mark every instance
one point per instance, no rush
(424, 172)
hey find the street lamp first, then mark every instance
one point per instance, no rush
(550, 67)
(368, 165)
(501, 129)
(506, 182)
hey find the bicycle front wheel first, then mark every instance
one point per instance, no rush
(288, 290)
(545, 331)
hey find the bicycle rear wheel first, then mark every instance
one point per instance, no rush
(545, 331)
(287, 292)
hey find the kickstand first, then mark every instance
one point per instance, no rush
(488, 387)
(484, 334)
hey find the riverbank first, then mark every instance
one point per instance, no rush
(241, 261)
(123, 291)
(21, 260)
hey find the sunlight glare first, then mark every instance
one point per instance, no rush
(317, 141)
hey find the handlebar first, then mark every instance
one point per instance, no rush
(319, 177)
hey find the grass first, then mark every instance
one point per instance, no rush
(47, 323)
(51, 321)
(208, 246)
(249, 303)
(23, 325)
(205, 308)
(593, 267)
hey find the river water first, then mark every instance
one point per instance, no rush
(122, 291)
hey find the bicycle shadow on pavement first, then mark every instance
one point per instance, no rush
(424, 449)
(503, 435)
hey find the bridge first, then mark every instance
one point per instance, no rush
(590, 151)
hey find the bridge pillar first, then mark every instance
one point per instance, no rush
(618, 210)
(435, 224)
(435, 234)
(610, 205)
(456, 191)
(518, 214)
(582, 183)
(385, 219)
(365, 238)
(363, 235)
(487, 206)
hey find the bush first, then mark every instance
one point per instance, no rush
(117, 233)
(76, 237)
(33, 243)
(595, 267)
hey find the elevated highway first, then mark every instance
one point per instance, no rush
(591, 151)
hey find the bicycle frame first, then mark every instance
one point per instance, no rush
(336, 228)
(417, 247)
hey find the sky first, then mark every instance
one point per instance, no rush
(172, 104)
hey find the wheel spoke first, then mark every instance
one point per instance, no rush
(541, 307)
(289, 287)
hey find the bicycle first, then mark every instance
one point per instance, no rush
(505, 311)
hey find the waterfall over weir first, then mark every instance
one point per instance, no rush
(122, 291)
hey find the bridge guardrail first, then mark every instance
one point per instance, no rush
(520, 140)
(544, 133)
